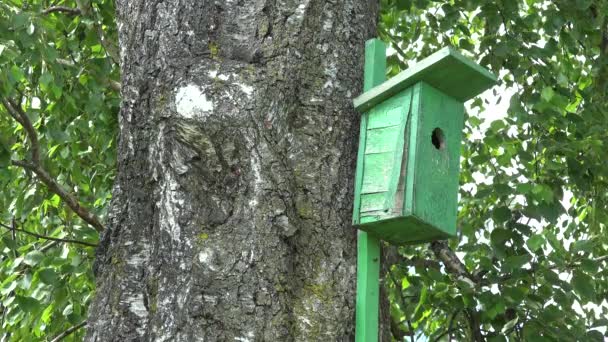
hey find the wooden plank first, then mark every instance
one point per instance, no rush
(382, 139)
(372, 202)
(377, 170)
(385, 115)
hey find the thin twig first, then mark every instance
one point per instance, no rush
(448, 331)
(14, 235)
(49, 246)
(14, 229)
(111, 50)
(62, 9)
(66, 196)
(69, 332)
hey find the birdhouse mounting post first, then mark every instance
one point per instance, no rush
(368, 246)
(406, 185)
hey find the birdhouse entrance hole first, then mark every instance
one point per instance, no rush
(438, 139)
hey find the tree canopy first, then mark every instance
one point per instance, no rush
(530, 259)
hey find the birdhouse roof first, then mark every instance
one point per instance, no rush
(447, 70)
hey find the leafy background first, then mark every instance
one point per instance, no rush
(530, 259)
(55, 68)
(532, 221)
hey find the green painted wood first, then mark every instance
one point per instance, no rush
(435, 179)
(368, 288)
(384, 148)
(418, 181)
(447, 70)
(368, 246)
(407, 181)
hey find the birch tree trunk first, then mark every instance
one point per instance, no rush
(231, 217)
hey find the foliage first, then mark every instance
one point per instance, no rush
(532, 219)
(57, 73)
(531, 252)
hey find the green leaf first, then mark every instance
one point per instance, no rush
(421, 302)
(48, 276)
(583, 246)
(33, 258)
(5, 156)
(516, 261)
(499, 236)
(535, 242)
(17, 74)
(27, 304)
(584, 285)
(30, 29)
(501, 214)
(47, 313)
(547, 94)
(55, 200)
(583, 4)
(68, 310)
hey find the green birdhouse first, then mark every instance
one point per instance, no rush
(406, 188)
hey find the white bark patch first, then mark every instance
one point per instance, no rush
(136, 306)
(256, 168)
(300, 10)
(248, 90)
(168, 208)
(190, 101)
(170, 201)
(331, 71)
(205, 257)
(136, 260)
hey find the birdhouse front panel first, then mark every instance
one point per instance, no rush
(433, 173)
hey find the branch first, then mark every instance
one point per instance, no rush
(454, 266)
(451, 324)
(68, 332)
(19, 115)
(451, 261)
(600, 259)
(14, 229)
(474, 324)
(62, 9)
(66, 196)
(115, 86)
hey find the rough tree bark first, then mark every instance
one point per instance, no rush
(232, 205)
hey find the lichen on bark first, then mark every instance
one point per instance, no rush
(231, 212)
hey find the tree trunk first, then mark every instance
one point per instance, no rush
(231, 217)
